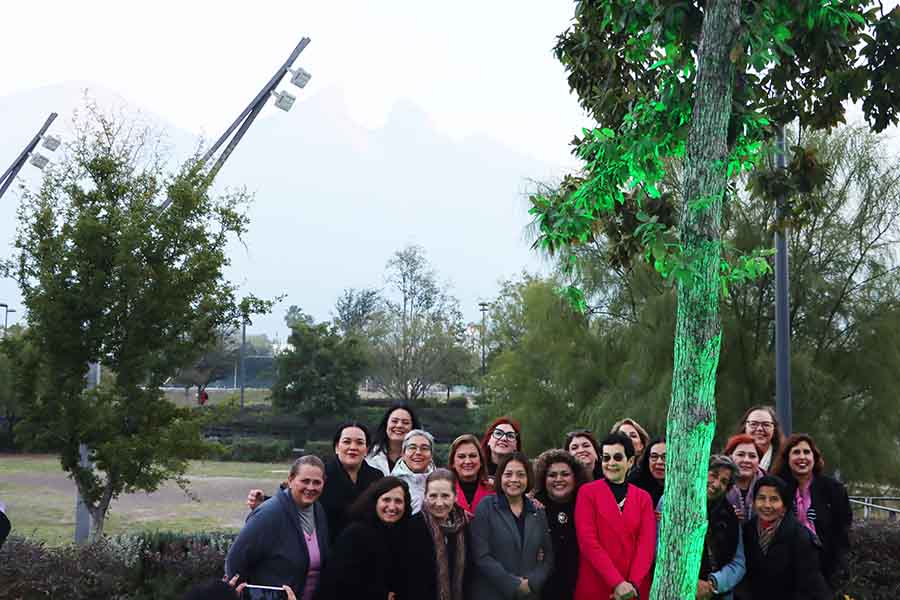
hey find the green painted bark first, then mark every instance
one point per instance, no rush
(692, 413)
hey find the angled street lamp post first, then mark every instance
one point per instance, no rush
(51, 143)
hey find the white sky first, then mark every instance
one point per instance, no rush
(475, 67)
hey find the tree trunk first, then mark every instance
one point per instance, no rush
(98, 514)
(692, 412)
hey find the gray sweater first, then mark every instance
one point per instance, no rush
(502, 555)
(271, 549)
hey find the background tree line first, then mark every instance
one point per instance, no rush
(555, 368)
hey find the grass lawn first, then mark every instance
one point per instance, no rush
(40, 498)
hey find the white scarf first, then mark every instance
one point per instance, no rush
(415, 481)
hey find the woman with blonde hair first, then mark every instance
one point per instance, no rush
(637, 434)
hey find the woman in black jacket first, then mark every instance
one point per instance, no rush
(558, 475)
(364, 563)
(649, 473)
(819, 502)
(438, 552)
(782, 555)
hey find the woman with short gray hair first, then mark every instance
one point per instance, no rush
(416, 464)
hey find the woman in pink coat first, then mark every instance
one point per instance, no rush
(616, 530)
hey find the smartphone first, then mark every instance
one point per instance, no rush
(263, 592)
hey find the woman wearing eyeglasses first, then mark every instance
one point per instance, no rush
(583, 446)
(650, 473)
(502, 438)
(760, 423)
(616, 529)
(415, 465)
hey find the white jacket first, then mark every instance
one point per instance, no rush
(415, 481)
(378, 459)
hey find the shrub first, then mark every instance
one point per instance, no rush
(247, 449)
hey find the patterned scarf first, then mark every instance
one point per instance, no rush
(767, 533)
(456, 522)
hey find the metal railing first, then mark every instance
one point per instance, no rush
(869, 504)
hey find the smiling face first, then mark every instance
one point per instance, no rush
(768, 503)
(398, 425)
(504, 439)
(615, 463)
(560, 481)
(466, 462)
(417, 455)
(440, 496)
(801, 460)
(761, 427)
(351, 447)
(657, 461)
(514, 479)
(635, 437)
(582, 449)
(717, 482)
(390, 505)
(306, 486)
(747, 460)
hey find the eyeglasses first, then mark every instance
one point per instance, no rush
(499, 434)
(617, 457)
(766, 425)
(424, 449)
(655, 456)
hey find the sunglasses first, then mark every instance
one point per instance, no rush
(617, 457)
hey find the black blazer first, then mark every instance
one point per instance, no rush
(790, 570)
(271, 548)
(340, 492)
(832, 516)
(419, 573)
(363, 564)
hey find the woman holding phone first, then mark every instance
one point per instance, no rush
(285, 540)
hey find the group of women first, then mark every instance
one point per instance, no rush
(381, 521)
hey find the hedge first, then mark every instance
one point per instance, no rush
(164, 565)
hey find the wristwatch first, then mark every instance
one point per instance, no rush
(712, 582)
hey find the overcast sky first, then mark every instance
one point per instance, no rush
(473, 66)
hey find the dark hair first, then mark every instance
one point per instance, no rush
(619, 438)
(641, 476)
(551, 457)
(340, 430)
(487, 435)
(779, 485)
(380, 439)
(782, 466)
(310, 460)
(585, 433)
(738, 439)
(514, 457)
(777, 436)
(468, 438)
(211, 590)
(364, 507)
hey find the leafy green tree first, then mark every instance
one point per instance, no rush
(356, 310)
(694, 88)
(417, 338)
(216, 362)
(108, 277)
(319, 375)
(19, 373)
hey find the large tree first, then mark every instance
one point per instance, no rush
(695, 88)
(108, 277)
(417, 337)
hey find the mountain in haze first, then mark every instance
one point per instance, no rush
(333, 199)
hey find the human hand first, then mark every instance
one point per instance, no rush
(392, 596)
(738, 512)
(524, 589)
(658, 515)
(289, 592)
(704, 590)
(233, 583)
(624, 591)
(540, 556)
(254, 499)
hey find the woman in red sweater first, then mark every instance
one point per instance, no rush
(616, 530)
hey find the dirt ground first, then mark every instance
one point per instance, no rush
(40, 498)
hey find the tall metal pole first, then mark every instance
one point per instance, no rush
(782, 307)
(10, 174)
(82, 515)
(243, 352)
(483, 306)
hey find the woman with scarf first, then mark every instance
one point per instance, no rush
(438, 544)
(745, 453)
(819, 502)
(364, 563)
(511, 543)
(782, 555)
(416, 465)
(467, 463)
(558, 475)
